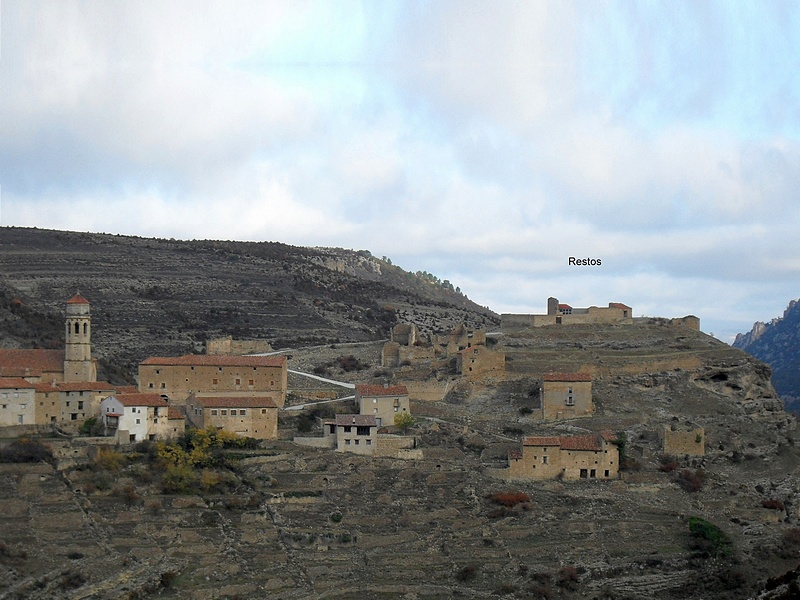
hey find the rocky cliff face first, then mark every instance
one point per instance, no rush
(777, 343)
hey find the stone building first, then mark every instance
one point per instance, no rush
(255, 416)
(17, 401)
(70, 402)
(592, 456)
(180, 377)
(461, 338)
(563, 314)
(352, 433)
(383, 402)
(566, 396)
(73, 363)
(479, 360)
(138, 417)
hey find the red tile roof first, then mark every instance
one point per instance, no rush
(77, 299)
(236, 402)
(567, 377)
(9, 383)
(379, 390)
(581, 442)
(564, 306)
(514, 453)
(30, 362)
(362, 420)
(141, 400)
(591, 442)
(127, 389)
(174, 413)
(203, 360)
(541, 441)
(618, 305)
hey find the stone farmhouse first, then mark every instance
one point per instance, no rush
(592, 456)
(566, 396)
(352, 433)
(253, 416)
(197, 375)
(70, 402)
(229, 346)
(139, 417)
(383, 402)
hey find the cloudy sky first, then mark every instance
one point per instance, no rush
(484, 142)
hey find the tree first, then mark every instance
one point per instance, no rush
(403, 421)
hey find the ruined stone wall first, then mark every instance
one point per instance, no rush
(412, 354)
(689, 321)
(479, 360)
(316, 442)
(566, 400)
(229, 346)
(390, 354)
(679, 443)
(390, 445)
(425, 391)
(516, 322)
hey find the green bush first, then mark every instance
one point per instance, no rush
(708, 538)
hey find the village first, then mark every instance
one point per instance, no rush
(239, 386)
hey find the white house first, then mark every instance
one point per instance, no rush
(138, 417)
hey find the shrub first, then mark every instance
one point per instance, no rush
(350, 363)
(71, 580)
(336, 517)
(467, 573)
(568, 578)
(773, 504)
(26, 450)
(525, 410)
(126, 493)
(509, 499)
(178, 479)
(403, 421)
(691, 481)
(708, 538)
(668, 464)
(109, 459)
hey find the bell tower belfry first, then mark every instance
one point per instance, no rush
(78, 363)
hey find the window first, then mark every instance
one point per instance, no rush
(347, 428)
(238, 381)
(544, 460)
(358, 441)
(163, 385)
(138, 421)
(593, 473)
(214, 381)
(570, 397)
(369, 442)
(5, 405)
(251, 382)
(23, 406)
(374, 400)
(347, 442)
(73, 417)
(213, 412)
(150, 385)
(67, 403)
(362, 430)
(584, 473)
(607, 473)
(223, 412)
(263, 411)
(158, 371)
(80, 405)
(395, 409)
(242, 411)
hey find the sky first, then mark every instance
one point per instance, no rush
(483, 142)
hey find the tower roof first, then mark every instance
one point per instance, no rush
(77, 299)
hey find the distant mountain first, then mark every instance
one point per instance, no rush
(167, 297)
(777, 343)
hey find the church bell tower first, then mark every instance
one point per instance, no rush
(78, 363)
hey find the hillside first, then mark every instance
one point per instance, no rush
(155, 296)
(291, 522)
(777, 343)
